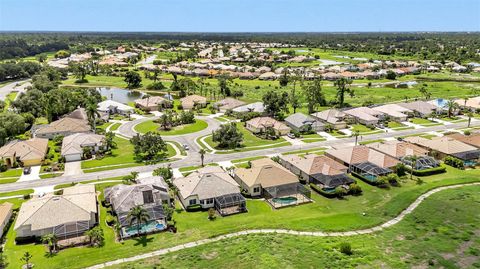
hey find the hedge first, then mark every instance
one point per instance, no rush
(428, 172)
(374, 183)
(322, 192)
(193, 208)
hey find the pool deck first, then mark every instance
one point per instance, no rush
(301, 199)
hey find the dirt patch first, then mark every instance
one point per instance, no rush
(210, 256)
(400, 237)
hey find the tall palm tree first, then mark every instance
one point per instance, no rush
(356, 134)
(51, 240)
(452, 106)
(413, 160)
(342, 85)
(134, 175)
(95, 236)
(202, 155)
(92, 115)
(470, 116)
(139, 215)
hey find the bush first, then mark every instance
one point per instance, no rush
(322, 192)
(346, 248)
(194, 208)
(26, 196)
(355, 189)
(429, 171)
(110, 220)
(3, 167)
(467, 132)
(211, 214)
(401, 169)
(454, 162)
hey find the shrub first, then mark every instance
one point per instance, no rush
(3, 167)
(467, 132)
(110, 220)
(355, 189)
(429, 171)
(400, 169)
(340, 191)
(454, 162)
(346, 248)
(211, 214)
(26, 196)
(194, 208)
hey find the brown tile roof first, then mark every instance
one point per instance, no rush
(445, 144)
(361, 154)
(32, 149)
(398, 149)
(472, 139)
(314, 164)
(65, 125)
(261, 122)
(266, 173)
(5, 210)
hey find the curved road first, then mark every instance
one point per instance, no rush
(193, 158)
(5, 90)
(387, 224)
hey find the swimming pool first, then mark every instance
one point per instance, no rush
(150, 226)
(285, 200)
(370, 177)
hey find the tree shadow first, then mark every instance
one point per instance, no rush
(143, 240)
(50, 255)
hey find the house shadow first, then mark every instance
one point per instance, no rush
(142, 240)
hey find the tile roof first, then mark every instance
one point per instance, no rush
(362, 154)
(445, 144)
(330, 115)
(261, 122)
(472, 139)
(32, 149)
(266, 173)
(398, 149)
(313, 164)
(74, 144)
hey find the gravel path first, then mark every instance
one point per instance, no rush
(387, 224)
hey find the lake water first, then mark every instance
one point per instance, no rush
(120, 95)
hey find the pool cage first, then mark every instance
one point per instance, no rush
(296, 191)
(468, 155)
(229, 204)
(330, 181)
(369, 170)
(70, 230)
(155, 212)
(422, 163)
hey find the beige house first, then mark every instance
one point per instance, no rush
(6, 210)
(472, 139)
(26, 152)
(75, 122)
(67, 215)
(73, 145)
(394, 111)
(228, 104)
(447, 146)
(398, 149)
(260, 124)
(332, 116)
(192, 101)
(208, 187)
(365, 115)
(153, 103)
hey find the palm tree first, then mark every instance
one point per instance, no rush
(413, 160)
(342, 88)
(95, 236)
(356, 134)
(134, 175)
(26, 258)
(470, 116)
(51, 240)
(139, 215)
(202, 155)
(451, 105)
(92, 115)
(109, 141)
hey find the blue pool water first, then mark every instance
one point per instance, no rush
(285, 200)
(144, 228)
(440, 102)
(370, 177)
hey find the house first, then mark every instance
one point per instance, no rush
(73, 145)
(420, 108)
(153, 103)
(447, 146)
(403, 151)
(24, 152)
(211, 187)
(365, 115)
(303, 123)
(472, 139)
(472, 103)
(260, 125)
(68, 215)
(149, 193)
(113, 107)
(193, 101)
(269, 179)
(75, 122)
(364, 161)
(253, 107)
(320, 170)
(228, 104)
(394, 111)
(331, 116)
(6, 210)
(268, 76)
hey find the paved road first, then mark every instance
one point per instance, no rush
(5, 90)
(193, 158)
(378, 228)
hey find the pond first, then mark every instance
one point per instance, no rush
(120, 95)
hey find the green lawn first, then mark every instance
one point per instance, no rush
(378, 205)
(9, 99)
(362, 129)
(305, 151)
(11, 173)
(122, 154)
(115, 126)
(394, 125)
(424, 122)
(424, 237)
(366, 142)
(151, 126)
(247, 159)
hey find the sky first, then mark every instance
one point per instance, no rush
(240, 15)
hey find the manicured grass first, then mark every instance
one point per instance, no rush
(11, 173)
(310, 138)
(337, 133)
(150, 126)
(247, 159)
(362, 129)
(378, 205)
(9, 99)
(179, 147)
(305, 151)
(115, 126)
(193, 168)
(50, 175)
(370, 141)
(122, 154)
(424, 237)
(394, 125)
(428, 136)
(424, 122)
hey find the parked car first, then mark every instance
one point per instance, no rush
(27, 170)
(186, 147)
(290, 135)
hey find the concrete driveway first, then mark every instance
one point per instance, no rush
(73, 168)
(34, 174)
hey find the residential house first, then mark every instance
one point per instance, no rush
(364, 161)
(261, 124)
(113, 107)
(253, 107)
(473, 139)
(153, 103)
(320, 170)
(193, 101)
(419, 108)
(6, 210)
(74, 145)
(75, 122)
(471, 103)
(444, 146)
(228, 104)
(332, 116)
(365, 115)
(394, 111)
(68, 215)
(274, 182)
(303, 123)
(211, 187)
(24, 152)
(149, 193)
